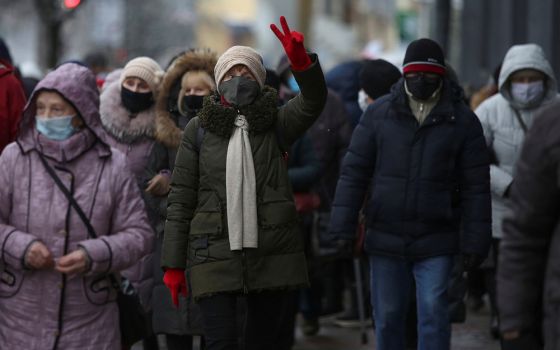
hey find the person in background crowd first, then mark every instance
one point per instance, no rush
(344, 79)
(375, 80)
(12, 98)
(330, 136)
(528, 282)
(99, 65)
(46, 245)
(189, 78)
(527, 84)
(487, 91)
(231, 217)
(128, 116)
(426, 206)
(479, 279)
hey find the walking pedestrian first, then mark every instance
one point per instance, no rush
(188, 79)
(527, 84)
(128, 116)
(427, 204)
(330, 136)
(528, 269)
(12, 98)
(47, 248)
(231, 217)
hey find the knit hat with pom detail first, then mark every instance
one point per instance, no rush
(424, 55)
(240, 55)
(146, 69)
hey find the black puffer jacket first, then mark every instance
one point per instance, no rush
(429, 182)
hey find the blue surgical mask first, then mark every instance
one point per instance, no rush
(292, 84)
(58, 128)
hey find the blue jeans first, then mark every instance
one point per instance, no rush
(391, 283)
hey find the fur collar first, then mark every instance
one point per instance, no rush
(219, 119)
(116, 119)
(167, 131)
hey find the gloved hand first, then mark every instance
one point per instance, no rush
(472, 261)
(175, 280)
(293, 45)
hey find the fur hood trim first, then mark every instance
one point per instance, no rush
(117, 121)
(167, 132)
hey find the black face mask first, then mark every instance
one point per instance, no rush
(422, 87)
(136, 102)
(192, 102)
(240, 91)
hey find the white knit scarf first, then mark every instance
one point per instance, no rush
(241, 193)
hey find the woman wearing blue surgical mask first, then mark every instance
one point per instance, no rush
(526, 85)
(55, 292)
(56, 119)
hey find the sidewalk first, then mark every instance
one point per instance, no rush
(472, 335)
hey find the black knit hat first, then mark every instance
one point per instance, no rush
(377, 77)
(424, 55)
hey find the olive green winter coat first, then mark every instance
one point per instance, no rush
(196, 233)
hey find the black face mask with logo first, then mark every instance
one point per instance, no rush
(421, 86)
(240, 91)
(136, 102)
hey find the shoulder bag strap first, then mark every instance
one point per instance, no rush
(520, 120)
(68, 195)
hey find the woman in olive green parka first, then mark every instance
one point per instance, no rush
(231, 219)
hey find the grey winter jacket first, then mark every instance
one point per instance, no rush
(503, 132)
(42, 309)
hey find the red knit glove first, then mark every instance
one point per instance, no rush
(293, 45)
(175, 280)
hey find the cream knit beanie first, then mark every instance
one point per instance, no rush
(240, 55)
(146, 69)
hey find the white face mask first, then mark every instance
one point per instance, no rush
(363, 100)
(527, 93)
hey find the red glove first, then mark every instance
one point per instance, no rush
(293, 45)
(175, 280)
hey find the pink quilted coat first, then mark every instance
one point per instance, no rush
(44, 309)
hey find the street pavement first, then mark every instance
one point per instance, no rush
(472, 335)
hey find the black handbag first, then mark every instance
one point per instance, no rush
(132, 317)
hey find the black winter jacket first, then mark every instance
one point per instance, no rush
(430, 189)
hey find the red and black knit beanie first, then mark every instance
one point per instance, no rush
(424, 55)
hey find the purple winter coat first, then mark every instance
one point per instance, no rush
(133, 136)
(44, 309)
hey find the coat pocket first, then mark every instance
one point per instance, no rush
(99, 290)
(275, 208)
(10, 282)
(208, 218)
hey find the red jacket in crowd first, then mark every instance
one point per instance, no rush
(12, 102)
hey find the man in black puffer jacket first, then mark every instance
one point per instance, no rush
(423, 153)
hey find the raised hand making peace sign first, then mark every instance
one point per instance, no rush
(293, 45)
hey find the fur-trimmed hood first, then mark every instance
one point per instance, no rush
(117, 121)
(167, 132)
